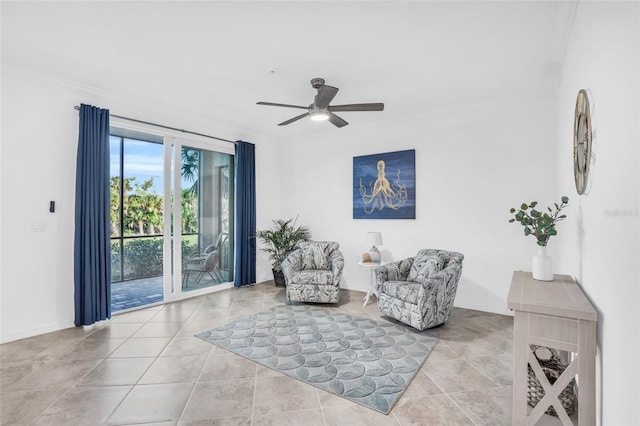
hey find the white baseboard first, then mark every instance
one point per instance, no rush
(354, 288)
(485, 308)
(475, 307)
(35, 331)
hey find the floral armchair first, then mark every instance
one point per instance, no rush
(419, 291)
(312, 272)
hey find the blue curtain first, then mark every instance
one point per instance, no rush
(92, 251)
(245, 241)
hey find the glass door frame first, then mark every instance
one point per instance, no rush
(172, 282)
(172, 243)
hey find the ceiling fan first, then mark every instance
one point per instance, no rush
(320, 109)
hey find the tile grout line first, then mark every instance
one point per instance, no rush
(255, 391)
(74, 385)
(445, 393)
(143, 373)
(54, 402)
(324, 419)
(449, 395)
(460, 408)
(195, 383)
(193, 388)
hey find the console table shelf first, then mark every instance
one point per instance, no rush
(558, 315)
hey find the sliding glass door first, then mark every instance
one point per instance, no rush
(136, 221)
(147, 226)
(206, 217)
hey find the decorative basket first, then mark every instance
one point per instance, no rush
(552, 366)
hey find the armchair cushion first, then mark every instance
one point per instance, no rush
(425, 264)
(314, 256)
(406, 291)
(313, 276)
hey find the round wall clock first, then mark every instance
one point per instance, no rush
(582, 138)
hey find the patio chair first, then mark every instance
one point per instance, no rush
(207, 265)
(222, 237)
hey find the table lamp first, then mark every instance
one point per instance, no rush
(374, 239)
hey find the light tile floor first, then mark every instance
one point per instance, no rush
(146, 367)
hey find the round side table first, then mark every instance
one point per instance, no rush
(372, 287)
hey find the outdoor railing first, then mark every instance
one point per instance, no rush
(140, 256)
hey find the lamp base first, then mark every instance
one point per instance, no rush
(374, 254)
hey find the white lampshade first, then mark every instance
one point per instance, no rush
(374, 239)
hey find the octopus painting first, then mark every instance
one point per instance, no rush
(384, 186)
(383, 193)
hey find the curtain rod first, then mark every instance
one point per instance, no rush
(77, 108)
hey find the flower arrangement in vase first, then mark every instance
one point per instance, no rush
(542, 226)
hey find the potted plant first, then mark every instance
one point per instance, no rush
(541, 225)
(281, 240)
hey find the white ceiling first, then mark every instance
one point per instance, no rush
(215, 60)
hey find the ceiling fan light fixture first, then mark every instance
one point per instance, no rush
(319, 116)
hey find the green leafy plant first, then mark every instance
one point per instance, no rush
(142, 258)
(282, 239)
(540, 224)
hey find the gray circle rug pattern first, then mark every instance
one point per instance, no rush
(369, 362)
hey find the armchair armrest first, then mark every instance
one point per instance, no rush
(450, 276)
(442, 286)
(382, 275)
(291, 264)
(393, 271)
(442, 277)
(398, 270)
(433, 283)
(337, 265)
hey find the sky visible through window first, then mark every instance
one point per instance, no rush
(142, 160)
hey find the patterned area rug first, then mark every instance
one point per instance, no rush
(369, 362)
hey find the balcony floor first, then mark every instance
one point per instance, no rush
(145, 291)
(134, 293)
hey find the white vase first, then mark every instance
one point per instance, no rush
(542, 267)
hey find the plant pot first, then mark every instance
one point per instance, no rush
(278, 277)
(542, 267)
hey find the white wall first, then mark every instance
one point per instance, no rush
(39, 140)
(473, 163)
(601, 236)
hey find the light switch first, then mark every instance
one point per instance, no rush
(38, 226)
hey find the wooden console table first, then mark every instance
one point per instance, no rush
(554, 314)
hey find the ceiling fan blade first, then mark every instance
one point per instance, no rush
(291, 120)
(325, 96)
(336, 121)
(282, 105)
(357, 107)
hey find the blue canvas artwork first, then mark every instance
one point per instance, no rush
(384, 185)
